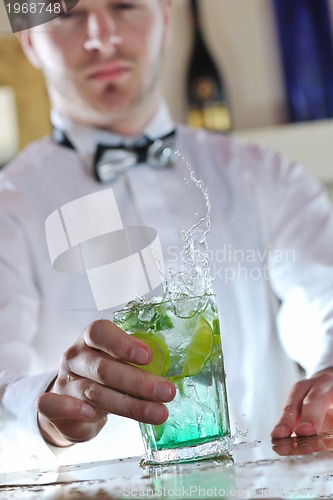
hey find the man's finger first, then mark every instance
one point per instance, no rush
(108, 337)
(316, 404)
(292, 411)
(126, 406)
(100, 369)
(55, 406)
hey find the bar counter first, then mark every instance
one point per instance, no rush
(288, 468)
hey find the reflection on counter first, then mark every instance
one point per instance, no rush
(293, 468)
(212, 478)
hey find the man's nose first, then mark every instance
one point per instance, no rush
(102, 34)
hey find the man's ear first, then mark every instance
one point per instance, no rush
(24, 37)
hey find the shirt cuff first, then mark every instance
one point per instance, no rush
(22, 445)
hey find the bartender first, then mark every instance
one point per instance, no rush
(270, 246)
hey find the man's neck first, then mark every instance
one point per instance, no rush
(132, 124)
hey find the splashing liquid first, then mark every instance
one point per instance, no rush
(195, 279)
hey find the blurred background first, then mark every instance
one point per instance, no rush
(273, 59)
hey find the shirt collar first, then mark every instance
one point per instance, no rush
(85, 138)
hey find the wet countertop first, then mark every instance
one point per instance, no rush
(289, 468)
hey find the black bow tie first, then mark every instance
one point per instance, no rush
(111, 161)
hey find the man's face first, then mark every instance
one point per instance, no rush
(101, 61)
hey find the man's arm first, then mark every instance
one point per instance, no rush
(300, 228)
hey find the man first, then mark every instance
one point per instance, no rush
(270, 240)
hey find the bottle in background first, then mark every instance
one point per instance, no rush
(207, 103)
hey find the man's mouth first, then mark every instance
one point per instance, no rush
(109, 71)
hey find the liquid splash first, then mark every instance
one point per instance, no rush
(195, 279)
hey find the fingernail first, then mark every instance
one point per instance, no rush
(87, 411)
(305, 428)
(140, 356)
(155, 414)
(163, 392)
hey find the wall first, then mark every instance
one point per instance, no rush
(5, 28)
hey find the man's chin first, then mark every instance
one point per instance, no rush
(109, 109)
(102, 116)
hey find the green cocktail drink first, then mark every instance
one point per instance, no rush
(184, 337)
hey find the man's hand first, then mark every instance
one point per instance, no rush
(94, 379)
(309, 407)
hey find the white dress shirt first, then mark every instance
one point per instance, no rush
(270, 246)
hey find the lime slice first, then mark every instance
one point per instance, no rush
(199, 348)
(161, 357)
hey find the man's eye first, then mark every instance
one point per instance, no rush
(67, 15)
(125, 5)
